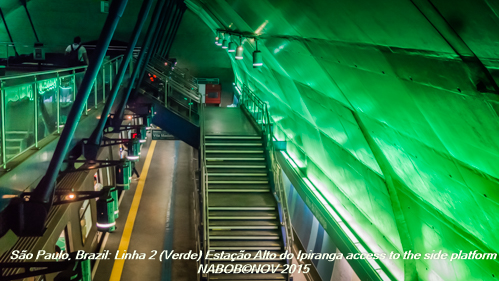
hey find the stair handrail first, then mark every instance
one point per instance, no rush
(189, 93)
(259, 110)
(180, 74)
(204, 181)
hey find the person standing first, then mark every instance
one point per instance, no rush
(76, 54)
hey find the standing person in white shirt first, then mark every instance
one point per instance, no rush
(76, 54)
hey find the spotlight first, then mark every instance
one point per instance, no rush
(71, 196)
(232, 47)
(220, 40)
(217, 38)
(239, 52)
(225, 44)
(240, 49)
(257, 57)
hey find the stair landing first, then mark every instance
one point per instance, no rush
(227, 121)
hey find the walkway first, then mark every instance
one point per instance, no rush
(163, 219)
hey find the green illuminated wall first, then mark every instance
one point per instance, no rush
(379, 101)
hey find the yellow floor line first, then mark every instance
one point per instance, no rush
(130, 221)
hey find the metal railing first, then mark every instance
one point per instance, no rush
(259, 110)
(204, 182)
(176, 82)
(35, 105)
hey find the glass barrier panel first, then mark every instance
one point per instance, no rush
(19, 119)
(99, 84)
(47, 107)
(66, 97)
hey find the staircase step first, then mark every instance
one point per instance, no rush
(239, 234)
(235, 149)
(236, 164)
(233, 142)
(234, 157)
(239, 201)
(237, 180)
(246, 245)
(227, 137)
(249, 277)
(238, 189)
(236, 172)
(243, 224)
(238, 186)
(243, 214)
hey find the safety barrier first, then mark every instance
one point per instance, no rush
(35, 105)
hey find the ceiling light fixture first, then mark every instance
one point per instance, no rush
(232, 47)
(239, 50)
(257, 57)
(220, 40)
(225, 44)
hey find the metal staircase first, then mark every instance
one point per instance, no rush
(244, 203)
(176, 101)
(242, 211)
(177, 90)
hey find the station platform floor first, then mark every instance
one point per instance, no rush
(156, 214)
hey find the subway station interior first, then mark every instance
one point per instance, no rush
(319, 140)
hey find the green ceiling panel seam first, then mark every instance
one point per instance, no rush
(392, 182)
(351, 201)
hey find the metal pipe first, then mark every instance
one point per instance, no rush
(8, 32)
(58, 107)
(96, 136)
(142, 68)
(2, 112)
(154, 44)
(170, 31)
(29, 18)
(171, 9)
(103, 68)
(35, 99)
(170, 43)
(147, 41)
(44, 192)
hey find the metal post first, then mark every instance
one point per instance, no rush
(173, 17)
(166, 92)
(175, 29)
(103, 84)
(10, 36)
(58, 109)
(74, 85)
(164, 36)
(190, 108)
(147, 41)
(4, 148)
(96, 94)
(150, 53)
(35, 101)
(44, 192)
(110, 75)
(96, 136)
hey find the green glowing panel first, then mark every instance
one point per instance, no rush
(373, 96)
